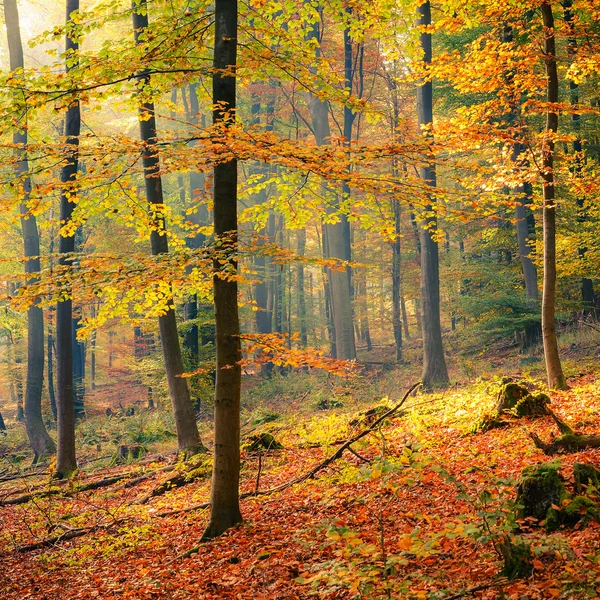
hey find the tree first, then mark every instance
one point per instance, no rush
(435, 372)
(336, 242)
(66, 461)
(188, 438)
(40, 441)
(556, 378)
(224, 495)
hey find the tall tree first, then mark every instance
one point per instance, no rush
(224, 496)
(587, 285)
(39, 440)
(435, 372)
(188, 438)
(556, 378)
(66, 461)
(336, 241)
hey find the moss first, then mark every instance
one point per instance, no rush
(518, 558)
(540, 487)
(262, 441)
(585, 475)
(580, 510)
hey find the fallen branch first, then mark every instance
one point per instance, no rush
(68, 535)
(477, 588)
(312, 472)
(93, 485)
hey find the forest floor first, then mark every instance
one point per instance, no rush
(417, 512)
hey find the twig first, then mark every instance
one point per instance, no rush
(359, 456)
(258, 473)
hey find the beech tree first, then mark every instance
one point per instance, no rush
(556, 378)
(66, 461)
(224, 495)
(435, 372)
(188, 438)
(40, 441)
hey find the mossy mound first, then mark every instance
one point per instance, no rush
(517, 399)
(128, 452)
(541, 486)
(543, 496)
(584, 476)
(367, 417)
(262, 441)
(518, 558)
(328, 403)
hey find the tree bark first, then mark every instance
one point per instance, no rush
(188, 438)
(224, 497)
(435, 373)
(336, 234)
(66, 461)
(587, 285)
(40, 441)
(556, 378)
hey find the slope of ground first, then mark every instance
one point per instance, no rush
(384, 522)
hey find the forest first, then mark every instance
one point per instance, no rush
(299, 298)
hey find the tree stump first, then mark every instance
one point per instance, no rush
(125, 452)
(517, 399)
(262, 441)
(518, 558)
(541, 486)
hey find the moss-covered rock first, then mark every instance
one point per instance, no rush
(541, 486)
(262, 441)
(584, 476)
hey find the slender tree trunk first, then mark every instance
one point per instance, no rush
(301, 291)
(396, 300)
(66, 461)
(224, 498)
(50, 360)
(188, 438)
(556, 378)
(587, 285)
(435, 372)
(336, 242)
(39, 440)
(529, 270)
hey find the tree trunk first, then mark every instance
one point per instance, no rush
(66, 461)
(337, 242)
(435, 372)
(188, 438)
(39, 440)
(224, 498)
(587, 285)
(50, 360)
(301, 291)
(521, 214)
(396, 274)
(556, 378)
